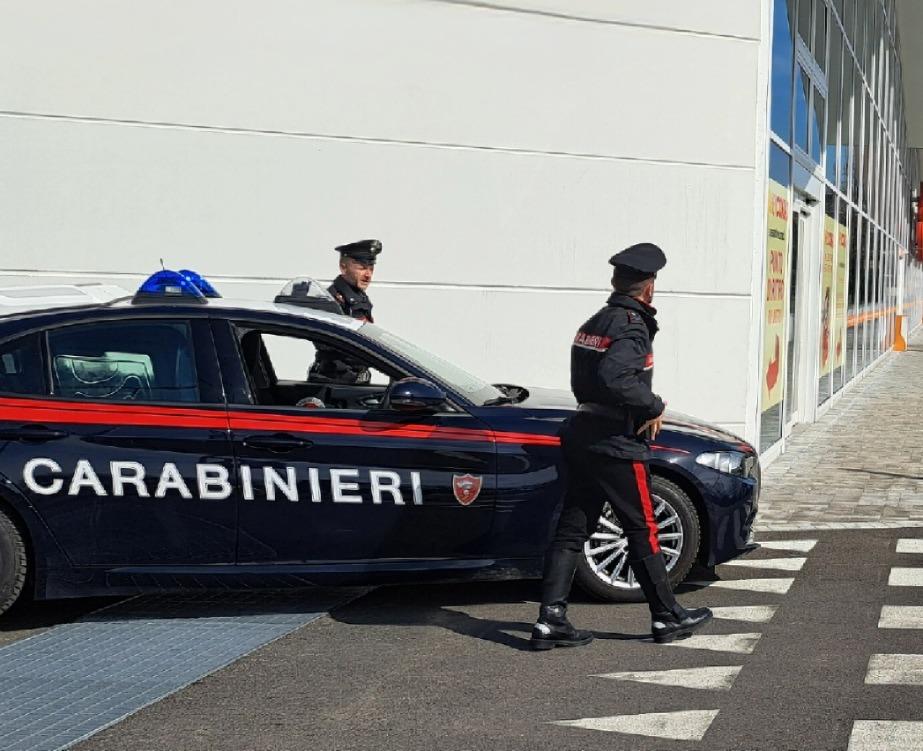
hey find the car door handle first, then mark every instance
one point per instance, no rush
(279, 443)
(31, 434)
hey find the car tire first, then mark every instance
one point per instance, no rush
(14, 563)
(687, 525)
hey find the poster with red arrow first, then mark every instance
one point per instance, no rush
(774, 304)
(839, 318)
(827, 324)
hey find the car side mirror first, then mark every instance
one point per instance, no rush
(414, 395)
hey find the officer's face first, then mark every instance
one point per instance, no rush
(648, 294)
(357, 273)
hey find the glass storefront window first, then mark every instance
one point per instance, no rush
(827, 354)
(805, 16)
(856, 141)
(871, 39)
(820, 33)
(859, 38)
(834, 75)
(842, 297)
(802, 92)
(783, 52)
(817, 125)
(865, 298)
(849, 20)
(846, 131)
(856, 271)
(874, 294)
(868, 124)
(886, 307)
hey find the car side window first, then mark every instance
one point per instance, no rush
(139, 360)
(21, 370)
(289, 369)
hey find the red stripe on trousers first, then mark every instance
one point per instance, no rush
(641, 479)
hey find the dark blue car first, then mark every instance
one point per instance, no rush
(169, 440)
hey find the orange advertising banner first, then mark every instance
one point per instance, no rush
(774, 303)
(839, 312)
(826, 296)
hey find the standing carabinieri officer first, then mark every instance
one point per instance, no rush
(357, 265)
(606, 448)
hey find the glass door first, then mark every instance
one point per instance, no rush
(794, 353)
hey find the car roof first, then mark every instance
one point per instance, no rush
(258, 306)
(17, 303)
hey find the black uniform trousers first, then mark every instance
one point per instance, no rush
(593, 479)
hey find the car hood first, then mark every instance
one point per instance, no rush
(563, 402)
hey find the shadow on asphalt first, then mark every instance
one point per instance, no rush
(435, 605)
(438, 605)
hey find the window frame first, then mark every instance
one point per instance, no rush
(42, 357)
(208, 378)
(237, 381)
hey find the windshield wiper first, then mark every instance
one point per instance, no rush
(497, 400)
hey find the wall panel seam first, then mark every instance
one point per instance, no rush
(381, 284)
(503, 7)
(88, 120)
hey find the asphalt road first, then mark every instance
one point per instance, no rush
(448, 667)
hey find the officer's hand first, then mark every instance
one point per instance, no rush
(651, 428)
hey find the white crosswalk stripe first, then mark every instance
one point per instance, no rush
(885, 735)
(778, 564)
(801, 546)
(901, 616)
(911, 545)
(749, 613)
(775, 586)
(901, 670)
(906, 577)
(711, 678)
(738, 643)
(680, 726)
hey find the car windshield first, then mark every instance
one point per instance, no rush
(469, 386)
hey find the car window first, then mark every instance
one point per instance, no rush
(470, 386)
(21, 370)
(293, 369)
(148, 360)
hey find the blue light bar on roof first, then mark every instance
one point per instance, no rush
(204, 286)
(166, 285)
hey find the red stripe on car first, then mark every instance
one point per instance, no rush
(89, 413)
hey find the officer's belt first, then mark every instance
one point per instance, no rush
(602, 410)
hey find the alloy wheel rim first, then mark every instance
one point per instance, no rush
(607, 549)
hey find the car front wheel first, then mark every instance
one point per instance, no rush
(603, 569)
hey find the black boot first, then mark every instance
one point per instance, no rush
(669, 619)
(554, 630)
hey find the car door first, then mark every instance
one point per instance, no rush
(339, 478)
(127, 458)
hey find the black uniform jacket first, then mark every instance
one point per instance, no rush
(354, 302)
(611, 370)
(329, 365)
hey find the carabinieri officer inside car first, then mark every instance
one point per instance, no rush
(606, 448)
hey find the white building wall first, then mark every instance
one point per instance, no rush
(501, 151)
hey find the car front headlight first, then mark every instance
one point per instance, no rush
(729, 462)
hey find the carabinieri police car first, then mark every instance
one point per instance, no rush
(175, 438)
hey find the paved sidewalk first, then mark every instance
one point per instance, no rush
(861, 465)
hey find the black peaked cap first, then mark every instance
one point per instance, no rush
(645, 258)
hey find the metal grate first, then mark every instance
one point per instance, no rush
(70, 682)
